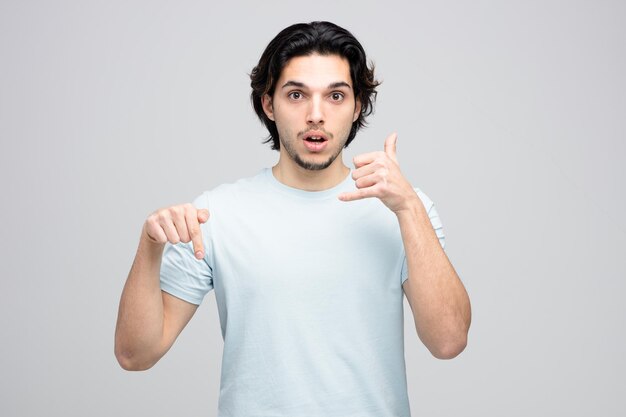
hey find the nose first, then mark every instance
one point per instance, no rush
(315, 114)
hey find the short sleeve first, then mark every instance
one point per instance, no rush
(435, 221)
(182, 275)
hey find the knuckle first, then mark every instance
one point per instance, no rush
(163, 215)
(150, 231)
(151, 224)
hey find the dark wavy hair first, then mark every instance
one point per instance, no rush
(302, 39)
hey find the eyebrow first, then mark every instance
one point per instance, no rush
(298, 84)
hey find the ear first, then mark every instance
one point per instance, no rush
(357, 110)
(268, 107)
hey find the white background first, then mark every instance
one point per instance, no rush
(511, 117)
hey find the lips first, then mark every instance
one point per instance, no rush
(315, 136)
(315, 140)
(315, 146)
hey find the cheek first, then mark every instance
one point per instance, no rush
(284, 128)
(347, 118)
(347, 113)
(285, 116)
(287, 122)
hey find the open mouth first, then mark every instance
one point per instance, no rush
(315, 139)
(315, 143)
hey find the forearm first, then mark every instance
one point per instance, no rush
(139, 330)
(438, 299)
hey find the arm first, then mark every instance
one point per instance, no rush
(441, 307)
(438, 299)
(149, 320)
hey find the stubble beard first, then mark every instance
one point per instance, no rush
(308, 165)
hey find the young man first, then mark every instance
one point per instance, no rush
(309, 259)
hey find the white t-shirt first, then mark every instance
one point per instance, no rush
(309, 296)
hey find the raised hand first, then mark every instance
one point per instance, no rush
(176, 224)
(377, 174)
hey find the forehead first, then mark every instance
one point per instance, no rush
(316, 70)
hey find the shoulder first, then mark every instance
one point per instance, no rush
(231, 190)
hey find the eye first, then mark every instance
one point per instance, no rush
(336, 96)
(296, 95)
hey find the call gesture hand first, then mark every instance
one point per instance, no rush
(176, 224)
(377, 174)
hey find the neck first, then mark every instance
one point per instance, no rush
(293, 175)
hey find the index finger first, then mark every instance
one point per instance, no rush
(195, 233)
(365, 158)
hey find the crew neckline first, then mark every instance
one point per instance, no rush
(314, 195)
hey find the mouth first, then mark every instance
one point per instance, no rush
(315, 141)
(315, 136)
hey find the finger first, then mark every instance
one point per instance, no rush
(359, 194)
(154, 231)
(365, 158)
(178, 217)
(365, 170)
(166, 223)
(203, 215)
(195, 232)
(390, 146)
(369, 180)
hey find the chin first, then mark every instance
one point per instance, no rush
(313, 166)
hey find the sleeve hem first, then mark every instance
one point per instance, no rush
(178, 293)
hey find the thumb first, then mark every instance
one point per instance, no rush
(390, 146)
(203, 215)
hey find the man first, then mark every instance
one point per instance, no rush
(309, 259)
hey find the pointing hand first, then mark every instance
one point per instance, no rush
(176, 224)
